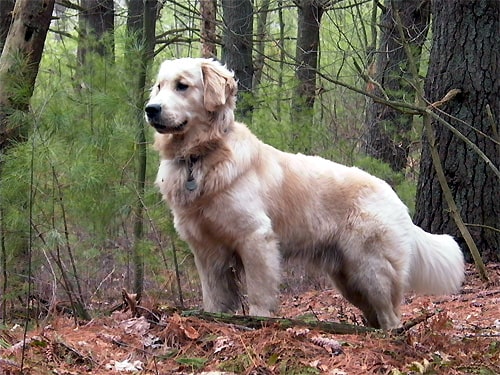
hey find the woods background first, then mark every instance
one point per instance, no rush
(353, 81)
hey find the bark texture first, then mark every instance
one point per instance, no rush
(208, 9)
(6, 7)
(19, 63)
(141, 24)
(237, 48)
(387, 129)
(307, 52)
(97, 24)
(465, 56)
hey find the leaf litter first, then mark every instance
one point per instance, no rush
(459, 335)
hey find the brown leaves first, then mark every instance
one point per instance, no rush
(458, 335)
(184, 326)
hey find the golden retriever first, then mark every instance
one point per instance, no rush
(244, 206)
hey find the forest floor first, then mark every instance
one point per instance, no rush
(457, 334)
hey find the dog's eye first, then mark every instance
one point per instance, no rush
(181, 86)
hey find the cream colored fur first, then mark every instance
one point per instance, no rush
(254, 205)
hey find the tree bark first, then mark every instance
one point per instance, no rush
(307, 52)
(141, 23)
(97, 25)
(260, 42)
(19, 64)
(237, 49)
(310, 13)
(6, 7)
(465, 55)
(208, 9)
(387, 130)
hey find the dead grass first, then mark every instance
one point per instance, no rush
(461, 337)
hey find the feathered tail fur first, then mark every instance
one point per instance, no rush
(437, 264)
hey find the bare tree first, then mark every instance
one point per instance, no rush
(310, 13)
(387, 129)
(260, 42)
(141, 24)
(96, 29)
(6, 7)
(307, 51)
(464, 56)
(19, 64)
(208, 9)
(237, 48)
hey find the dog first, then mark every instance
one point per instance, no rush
(243, 207)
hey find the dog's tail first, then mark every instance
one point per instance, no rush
(437, 263)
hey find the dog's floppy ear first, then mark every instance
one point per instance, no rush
(219, 85)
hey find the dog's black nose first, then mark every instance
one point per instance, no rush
(153, 110)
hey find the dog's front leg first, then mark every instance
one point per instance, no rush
(219, 285)
(262, 264)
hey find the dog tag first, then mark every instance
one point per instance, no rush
(191, 184)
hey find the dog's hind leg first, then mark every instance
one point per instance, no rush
(373, 287)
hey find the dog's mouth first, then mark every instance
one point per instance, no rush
(164, 129)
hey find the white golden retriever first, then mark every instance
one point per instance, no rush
(243, 205)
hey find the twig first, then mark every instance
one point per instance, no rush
(449, 96)
(413, 322)
(467, 141)
(130, 300)
(177, 272)
(483, 226)
(493, 123)
(454, 212)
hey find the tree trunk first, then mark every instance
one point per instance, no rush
(307, 55)
(208, 9)
(387, 130)
(307, 52)
(6, 7)
(97, 25)
(237, 49)
(465, 55)
(141, 24)
(19, 64)
(260, 41)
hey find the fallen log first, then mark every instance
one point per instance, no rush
(257, 322)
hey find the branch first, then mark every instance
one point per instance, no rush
(455, 213)
(471, 144)
(448, 97)
(436, 160)
(413, 322)
(257, 322)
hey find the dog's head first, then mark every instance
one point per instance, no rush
(192, 92)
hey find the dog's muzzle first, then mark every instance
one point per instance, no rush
(153, 115)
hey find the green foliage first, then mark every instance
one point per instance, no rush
(193, 363)
(292, 368)
(237, 364)
(72, 184)
(76, 170)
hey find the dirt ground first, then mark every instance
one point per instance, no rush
(457, 334)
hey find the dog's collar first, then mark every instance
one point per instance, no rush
(190, 161)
